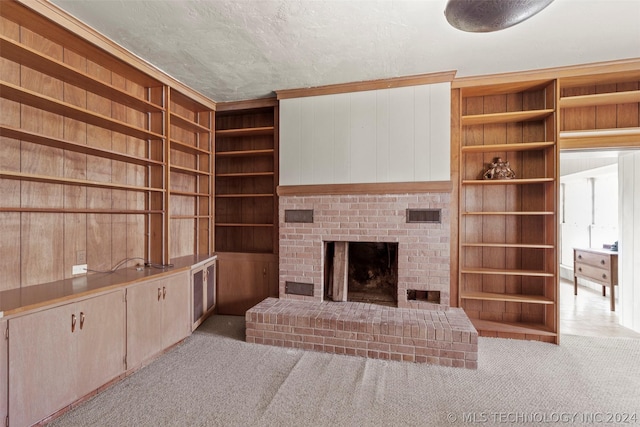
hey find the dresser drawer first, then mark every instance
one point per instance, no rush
(590, 272)
(594, 259)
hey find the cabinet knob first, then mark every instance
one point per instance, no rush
(164, 292)
(579, 268)
(159, 294)
(579, 256)
(602, 261)
(604, 276)
(73, 323)
(81, 319)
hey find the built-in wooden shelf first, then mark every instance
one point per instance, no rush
(508, 117)
(521, 146)
(28, 57)
(507, 245)
(246, 176)
(52, 105)
(79, 182)
(190, 216)
(48, 141)
(472, 86)
(190, 171)
(506, 272)
(84, 211)
(611, 98)
(507, 181)
(188, 148)
(243, 174)
(235, 133)
(630, 74)
(189, 193)
(243, 195)
(492, 296)
(533, 329)
(511, 213)
(594, 138)
(187, 124)
(235, 224)
(245, 153)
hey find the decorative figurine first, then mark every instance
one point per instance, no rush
(499, 169)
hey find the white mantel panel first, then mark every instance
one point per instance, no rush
(383, 136)
(388, 135)
(321, 119)
(290, 131)
(401, 134)
(341, 140)
(422, 123)
(440, 136)
(363, 150)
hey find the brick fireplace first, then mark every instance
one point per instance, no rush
(420, 326)
(423, 247)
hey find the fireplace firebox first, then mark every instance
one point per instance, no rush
(361, 272)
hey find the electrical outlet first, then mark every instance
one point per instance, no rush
(79, 269)
(81, 257)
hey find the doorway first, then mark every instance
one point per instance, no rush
(589, 218)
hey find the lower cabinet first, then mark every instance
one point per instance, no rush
(203, 282)
(61, 354)
(157, 316)
(4, 372)
(244, 280)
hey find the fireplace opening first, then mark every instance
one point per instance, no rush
(362, 272)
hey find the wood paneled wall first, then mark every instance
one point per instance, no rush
(39, 247)
(386, 135)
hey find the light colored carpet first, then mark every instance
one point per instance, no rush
(216, 379)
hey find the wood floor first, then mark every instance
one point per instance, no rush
(589, 314)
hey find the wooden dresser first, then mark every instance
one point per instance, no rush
(597, 265)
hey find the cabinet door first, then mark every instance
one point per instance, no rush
(144, 318)
(101, 341)
(4, 366)
(242, 284)
(211, 285)
(198, 282)
(42, 349)
(176, 323)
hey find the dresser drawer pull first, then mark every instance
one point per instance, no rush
(602, 261)
(579, 268)
(579, 256)
(604, 276)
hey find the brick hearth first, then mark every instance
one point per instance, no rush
(441, 337)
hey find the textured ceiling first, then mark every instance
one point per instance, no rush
(243, 49)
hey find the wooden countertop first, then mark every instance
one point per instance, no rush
(19, 300)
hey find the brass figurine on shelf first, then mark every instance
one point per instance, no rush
(499, 169)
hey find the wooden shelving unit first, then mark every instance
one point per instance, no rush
(600, 109)
(507, 228)
(103, 158)
(246, 179)
(190, 179)
(246, 220)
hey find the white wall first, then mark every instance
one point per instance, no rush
(589, 213)
(629, 258)
(387, 135)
